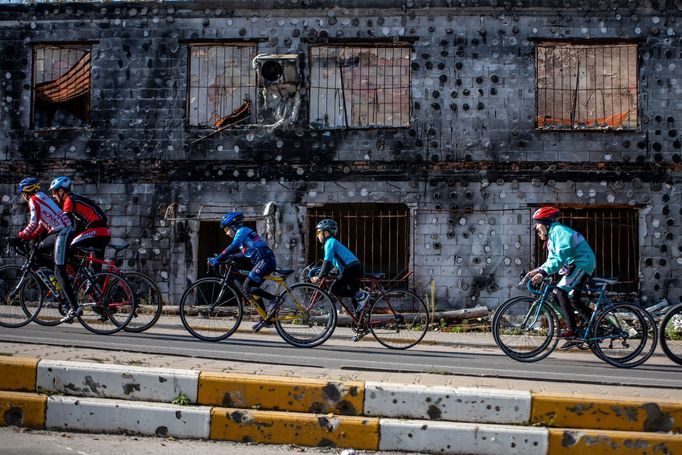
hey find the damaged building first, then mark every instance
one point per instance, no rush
(430, 130)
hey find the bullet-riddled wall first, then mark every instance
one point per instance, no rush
(468, 164)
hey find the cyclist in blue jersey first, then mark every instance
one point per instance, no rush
(337, 255)
(569, 254)
(247, 243)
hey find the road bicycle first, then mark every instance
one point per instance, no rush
(106, 300)
(147, 294)
(527, 328)
(212, 308)
(397, 318)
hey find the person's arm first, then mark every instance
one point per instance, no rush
(327, 264)
(559, 253)
(32, 229)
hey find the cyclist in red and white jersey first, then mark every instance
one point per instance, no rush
(46, 218)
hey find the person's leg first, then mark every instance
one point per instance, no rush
(61, 250)
(562, 298)
(348, 283)
(252, 284)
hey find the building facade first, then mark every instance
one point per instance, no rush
(430, 130)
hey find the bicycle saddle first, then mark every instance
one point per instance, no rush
(284, 272)
(376, 276)
(118, 246)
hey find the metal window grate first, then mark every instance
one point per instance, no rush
(61, 86)
(359, 86)
(378, 234)
(613, 235)
(221, 80)
(586, 86)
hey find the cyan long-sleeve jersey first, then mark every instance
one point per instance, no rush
(565, 247)
(246, 242)
(336, 253)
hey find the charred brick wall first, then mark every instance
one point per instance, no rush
(468, 166)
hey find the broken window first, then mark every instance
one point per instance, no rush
(222, 84)
(613, 235)
(378, 234)
(212, 240)
(61, 86)
(360, 86)
(586, 86)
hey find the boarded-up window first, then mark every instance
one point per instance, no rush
(613, 235)
(222, 82)
(586, 86)
(61, 86)
(378, 234)
(359, 86)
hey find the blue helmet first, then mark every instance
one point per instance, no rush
(29, 185)
(232, 219)
(61, 182)
(327, 225)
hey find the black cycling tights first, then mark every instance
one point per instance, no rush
(253, 288)
(567, 306)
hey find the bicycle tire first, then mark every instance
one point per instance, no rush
(148, 302)
(21, 296)
(310, 322)
(523, 331)
(506, 302)
(107, 303)
(398, 319)
(52, 310)
(622, 323)
(671, 334)
(200, 319)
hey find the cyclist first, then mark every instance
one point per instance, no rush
(247, 243)
(350, 268)
(47, 218)
(569, 254)
(89, 221)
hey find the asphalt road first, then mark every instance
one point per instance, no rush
(445, 357)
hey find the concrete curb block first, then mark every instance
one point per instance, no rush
(22, 409)
(18, 373)
(116, 381)
(107, 416)
(447, 403)
(462, 438)
(581, 442)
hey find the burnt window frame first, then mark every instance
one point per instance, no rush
(35, 46)
(253, 76)
(598, 235)
(574, 125)
(402, 44)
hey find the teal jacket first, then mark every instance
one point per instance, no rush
(567, 247)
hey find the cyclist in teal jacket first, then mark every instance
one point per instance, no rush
(568, 254)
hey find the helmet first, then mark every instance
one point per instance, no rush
(29, 185)
(232, 219)
(61, 182)
(327, 225)
(546, 214)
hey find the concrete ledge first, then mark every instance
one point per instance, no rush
(117, 416)
(116, 381)
(22, 409)
(602, 414)
(279, 393)
(462, 438)
(447, 403)
(18, 373)
(273, 427)
(581, 442)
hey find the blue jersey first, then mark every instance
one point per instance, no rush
(248, 243)
(336, 253)
(567, 247)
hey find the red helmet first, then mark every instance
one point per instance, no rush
(546, 214)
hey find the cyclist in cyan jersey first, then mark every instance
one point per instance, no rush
(247, 243)
(569, 254)
(337, 255)
(88, 219)
(47, 218)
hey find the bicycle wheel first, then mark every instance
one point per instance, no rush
(148, 302)
(211, 311)
(671, 334)
(21, 296)
(525, 330)
(623, 336)
(305, 316)
(107, 301)
(398, 319)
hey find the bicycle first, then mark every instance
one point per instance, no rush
(106, 300)
(671, 334)
(397, 318)
(526, 329)
(212, 308)
(21, 296)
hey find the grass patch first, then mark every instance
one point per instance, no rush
(181, 400)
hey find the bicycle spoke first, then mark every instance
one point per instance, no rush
(398, 319)
(107, 302)
(148, 300)
(207, 318)
(21, 296)
(305, 316)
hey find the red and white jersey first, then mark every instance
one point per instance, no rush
(45, 215)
